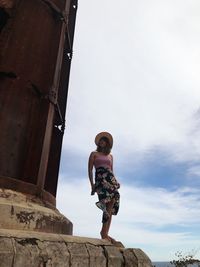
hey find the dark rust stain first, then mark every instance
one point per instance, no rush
(25, 217)
(44, 222)
(26, 241)
(4, 194)
(53, 224)
(4, 74)
(12, 210)
(4, 16)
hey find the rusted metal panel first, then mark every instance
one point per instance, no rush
(32, 87)
(29, 51)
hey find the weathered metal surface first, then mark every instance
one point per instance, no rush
(36, 38)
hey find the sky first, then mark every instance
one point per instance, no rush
(135, 74)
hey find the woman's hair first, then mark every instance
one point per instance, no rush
(106, 150)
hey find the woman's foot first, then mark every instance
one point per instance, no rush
(105, 236)
(112, 239)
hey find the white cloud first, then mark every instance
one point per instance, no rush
(159, 207)
(134, 73)
(194, 172)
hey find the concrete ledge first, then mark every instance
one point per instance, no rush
(28, 248)
(26, 212)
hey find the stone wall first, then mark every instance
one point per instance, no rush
(32, 249)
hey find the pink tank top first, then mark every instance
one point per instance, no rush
(103, 161)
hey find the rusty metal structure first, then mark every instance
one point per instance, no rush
(36, 38)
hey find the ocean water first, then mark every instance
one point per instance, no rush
(162, 264)
(168, 264)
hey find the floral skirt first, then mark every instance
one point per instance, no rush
(107, 187)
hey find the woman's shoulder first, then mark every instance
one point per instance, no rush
(93, 154)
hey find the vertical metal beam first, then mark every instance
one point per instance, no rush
(53, 95)
(59, 119)
(45, 150)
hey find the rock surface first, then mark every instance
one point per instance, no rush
(32, 249)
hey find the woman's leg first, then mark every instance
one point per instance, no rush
(109, 209)
(103, 231)
(106, 226)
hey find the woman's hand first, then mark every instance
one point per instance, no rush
(118, 185)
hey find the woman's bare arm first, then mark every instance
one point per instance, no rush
(90, 170)
(111, 162)
(112, 166)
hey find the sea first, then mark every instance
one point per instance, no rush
(162, 264)
(168, 264)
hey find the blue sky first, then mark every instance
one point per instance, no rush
(135, 73)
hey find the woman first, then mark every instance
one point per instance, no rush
(106, 185)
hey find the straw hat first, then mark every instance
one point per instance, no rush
(104, 134)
